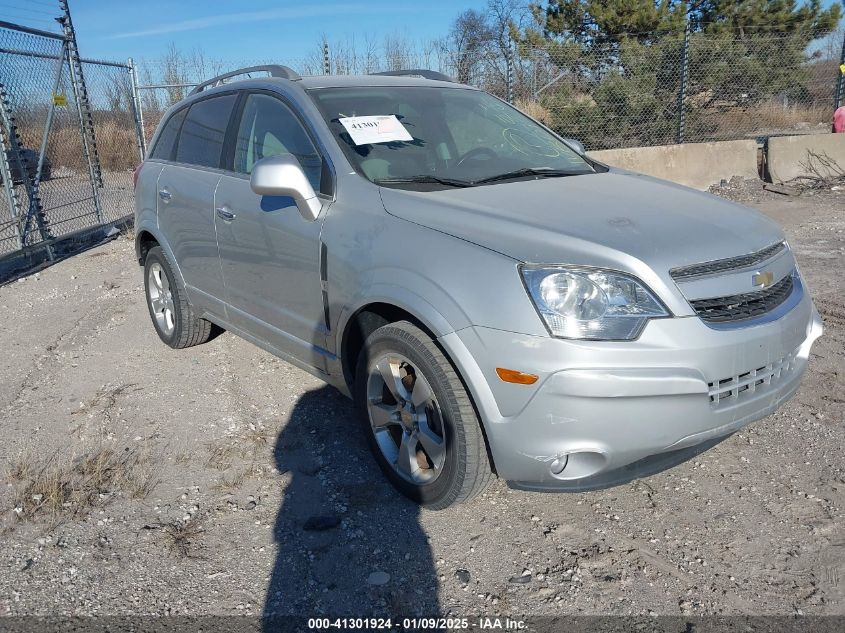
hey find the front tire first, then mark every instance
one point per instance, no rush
(419, 420)
(173, 317)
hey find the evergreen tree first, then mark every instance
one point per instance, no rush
(618, 62)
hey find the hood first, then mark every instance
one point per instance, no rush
(613, 219)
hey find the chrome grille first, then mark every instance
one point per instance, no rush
(743, 306)
(742, 385)
(722, 265)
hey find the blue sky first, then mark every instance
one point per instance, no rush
(225, 29)
(281, 30)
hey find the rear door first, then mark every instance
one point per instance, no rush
(269, 254)
(186, 199)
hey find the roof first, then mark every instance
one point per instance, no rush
(345, 81)
(326, 81)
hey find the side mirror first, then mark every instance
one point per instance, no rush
(282, 175)
(575, 144)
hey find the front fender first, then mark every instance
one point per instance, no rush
(412, 293)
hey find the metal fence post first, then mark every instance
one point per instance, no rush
(77, 97)
(840, 80)
(86, 125)
(509, 75)
(6, 179)
(7, 121)
(137, 110)
(682, 90)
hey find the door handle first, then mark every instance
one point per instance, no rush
(165, 195)
(224, 214)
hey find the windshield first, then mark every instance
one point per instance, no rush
(441, 137)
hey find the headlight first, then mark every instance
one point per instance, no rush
(591, 304)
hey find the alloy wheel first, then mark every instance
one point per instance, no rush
(406, 419)
(161, 299)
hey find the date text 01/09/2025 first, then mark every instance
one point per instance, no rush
(456, 624)
(481, 623)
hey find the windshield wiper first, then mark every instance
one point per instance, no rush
(423, 178)
(545, 172)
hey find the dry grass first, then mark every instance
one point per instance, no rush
(535, 110)
(248, 446)
(184, 458)
(59, 487)
(116, 145)
(183, 536)
(240, 457)
(221, 454)
(257, 436)
(766, 118)
(229, 482)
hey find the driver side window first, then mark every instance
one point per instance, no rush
(269, 128)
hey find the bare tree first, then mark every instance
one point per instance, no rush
(468, 40)
(397, 52)
(174, 74)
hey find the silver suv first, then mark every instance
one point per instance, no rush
(494, 300)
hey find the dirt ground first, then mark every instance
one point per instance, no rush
(220, 480)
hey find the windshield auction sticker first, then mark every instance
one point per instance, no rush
(375, 129)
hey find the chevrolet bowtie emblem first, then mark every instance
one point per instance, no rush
(763, 279)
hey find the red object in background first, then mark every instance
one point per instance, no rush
(839, 120)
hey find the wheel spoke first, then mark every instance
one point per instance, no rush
(432, 444)
(381, 414)
(406, 461)
(389, 370)
(165, 284)
(158, 304)
(156, 275)
(421, 393)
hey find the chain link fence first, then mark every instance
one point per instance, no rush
(661, 90)
(638, 92)
(46, 102)
(679, 89)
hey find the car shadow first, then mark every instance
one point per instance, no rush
(347, 543)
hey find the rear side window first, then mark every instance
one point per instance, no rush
(167, 139)
(201, 139)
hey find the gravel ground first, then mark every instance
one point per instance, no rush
(141, 480)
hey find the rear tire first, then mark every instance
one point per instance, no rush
(173, 317)
(413, 405)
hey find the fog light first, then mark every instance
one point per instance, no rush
(559, 464)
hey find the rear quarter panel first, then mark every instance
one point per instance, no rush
(145, 202)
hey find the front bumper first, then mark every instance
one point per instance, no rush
(606, 412)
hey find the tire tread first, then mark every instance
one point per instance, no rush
(190, 329)
(473, 470)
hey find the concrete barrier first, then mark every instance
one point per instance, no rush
(697, 165)
(790, 157)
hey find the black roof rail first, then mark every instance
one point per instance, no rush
(417, 72)
(275, 70)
